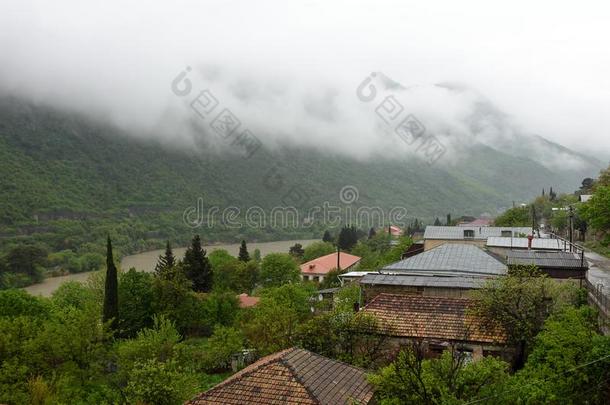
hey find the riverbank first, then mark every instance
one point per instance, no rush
(146, 261)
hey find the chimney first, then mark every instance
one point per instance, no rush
(529, 241)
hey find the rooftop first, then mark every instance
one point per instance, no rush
(450, 259)
(324, 264)
(423, 281)
(292, 376)
(521, 243)
(441, 318)
(479, 232)
(558, 260)
(246, 301)
(478, 222)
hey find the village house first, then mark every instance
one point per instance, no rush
(453, 259)
(477, 235)
(438, 323)
(439, 286)
(292, 376)
(558, 265)
(317, 269)
(450, 270)
(502, 245)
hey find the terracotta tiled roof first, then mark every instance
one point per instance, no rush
(430, 317)
(324, 264)
(246, 301)
(293, 376)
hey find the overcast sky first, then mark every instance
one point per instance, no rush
(290, 69)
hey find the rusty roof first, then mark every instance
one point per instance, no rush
(292, 376)
(431, 317)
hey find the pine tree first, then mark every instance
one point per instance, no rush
(327, 237)
(197, 267)
(437, 222)
(244, 256)
(111, 290)
(165, 261)
(448, 219)
(372, 233)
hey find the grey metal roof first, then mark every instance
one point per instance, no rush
(423, 281)
(450, 259)
(559, 260)
(480, 232)
(521, 243)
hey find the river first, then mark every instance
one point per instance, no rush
(146, 261)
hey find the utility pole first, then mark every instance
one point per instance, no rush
(571, 225)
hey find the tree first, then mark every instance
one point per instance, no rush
(518, 216)
(348, 237)
(175, 300)
(450, 379)
(327, 237)
(372, 233)
(278, 269)
(554, 371)
(136, 295)
(167, 260)
(272, 324)
(519, 303)
(448, 219)
(297, 251)
(596, 211)
(437, 222)
(111, 290)
(552, 194)
(244, 256)
(317, 249)
(197, 267)
(586, 185)
(257, 255)
(27, 259)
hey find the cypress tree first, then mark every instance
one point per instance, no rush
(111, 289)
(348, 237)
(372, 233)
(448, 219)
(197, 266)
(327, 237)
(244, 256)
(165, 261)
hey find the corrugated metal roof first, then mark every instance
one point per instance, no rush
(537, 243)
(480, 232)
(423, 281)
(451, 259)
(559, 260)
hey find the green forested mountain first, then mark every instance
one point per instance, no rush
(67, 180)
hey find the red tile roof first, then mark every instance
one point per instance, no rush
(293, 376)
(246, 301)
(324, 264)
(415, 316)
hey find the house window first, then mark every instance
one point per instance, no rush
(506, 234)
(305, 278)
(468, 234)
(316, 278)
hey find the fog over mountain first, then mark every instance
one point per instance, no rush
(290, 72)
